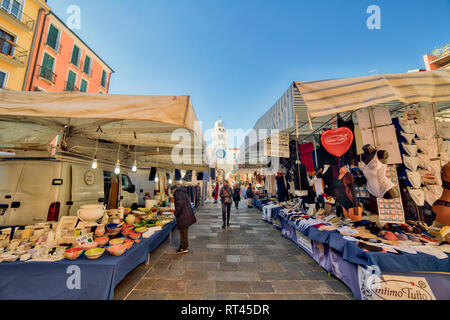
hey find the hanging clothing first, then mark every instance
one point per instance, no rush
(377, 182)
(328, 181)
(346, 191)
(306, 157)
(281, 189)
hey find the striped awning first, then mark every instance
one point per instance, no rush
(334, 96)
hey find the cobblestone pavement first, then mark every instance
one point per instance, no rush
(248, 260)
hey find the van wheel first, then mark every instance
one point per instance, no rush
(134, 206)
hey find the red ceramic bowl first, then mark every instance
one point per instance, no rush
(73, 253)
(102, 241)
(128, 227)
(135, 236)
(129, 243)
(127, 232)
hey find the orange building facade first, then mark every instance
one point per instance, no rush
(61, 61)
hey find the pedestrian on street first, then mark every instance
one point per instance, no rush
(249, 194)
(237, 195)
(184, 214)
(225, 197)
(216, 192)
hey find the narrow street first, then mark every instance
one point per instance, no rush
(249, 260)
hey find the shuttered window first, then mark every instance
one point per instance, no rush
(75, 56)
(87, 66)
(47, 67)
(2, 79)
(71, 79)
(103, 79)
(83, 85)
(52, 38)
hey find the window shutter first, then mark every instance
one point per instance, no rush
(83, 86)
(52, 37)
(87, 65)
(75, 55)
(104, 79)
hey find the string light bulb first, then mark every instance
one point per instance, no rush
(94, 163)
(117, 167)
(134, 167)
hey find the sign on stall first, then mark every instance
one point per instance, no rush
(304, 241)
(393, 287)
(277, 145)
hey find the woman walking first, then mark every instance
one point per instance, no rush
(249, 194)
(225, 197)
(216, 192)
(237, 195)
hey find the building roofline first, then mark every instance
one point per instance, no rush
(82, 41)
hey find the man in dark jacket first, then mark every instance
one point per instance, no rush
(249, 194)
(184, 214)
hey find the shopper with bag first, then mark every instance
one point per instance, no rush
(226, 198)
(184, 214)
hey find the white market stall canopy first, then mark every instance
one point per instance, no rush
(334, 96)
(31, 120)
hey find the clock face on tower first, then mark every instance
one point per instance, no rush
(220, 154)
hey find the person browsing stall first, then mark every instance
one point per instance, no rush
(184, 214)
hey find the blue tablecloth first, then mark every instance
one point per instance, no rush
(345, 260)
(98, 278)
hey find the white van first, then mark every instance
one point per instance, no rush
(36, 190)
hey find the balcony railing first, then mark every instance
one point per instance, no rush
(13, 51)
(18, 14)
(47, 74)
(70, 87)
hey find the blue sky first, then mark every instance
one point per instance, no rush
(235, 58)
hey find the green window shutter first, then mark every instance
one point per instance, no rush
(87, 65)
(47, 67)
(83, 86)
(52, 37)
(104, 79)
(71, 79)
(75, 56)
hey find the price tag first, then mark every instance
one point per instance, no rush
(83, 240)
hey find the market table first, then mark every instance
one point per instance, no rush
(82, 279)
(404, 276)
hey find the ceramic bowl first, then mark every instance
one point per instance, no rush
(9, 258)
(129, 243)
(127, 232)
(135, 235)
(73, 253)
(127, 227)
(102, 241)
(90, 245)
(94, 253)
(126, 211)
(117, 241)
(117, 250)
(141, 229)
(113, 228)
(138, 240)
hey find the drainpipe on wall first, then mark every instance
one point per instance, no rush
(38, 49)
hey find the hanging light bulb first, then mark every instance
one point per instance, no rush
(134, 167)
(94, 163)
(117, 167)
(156, 178)
(170, 181)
